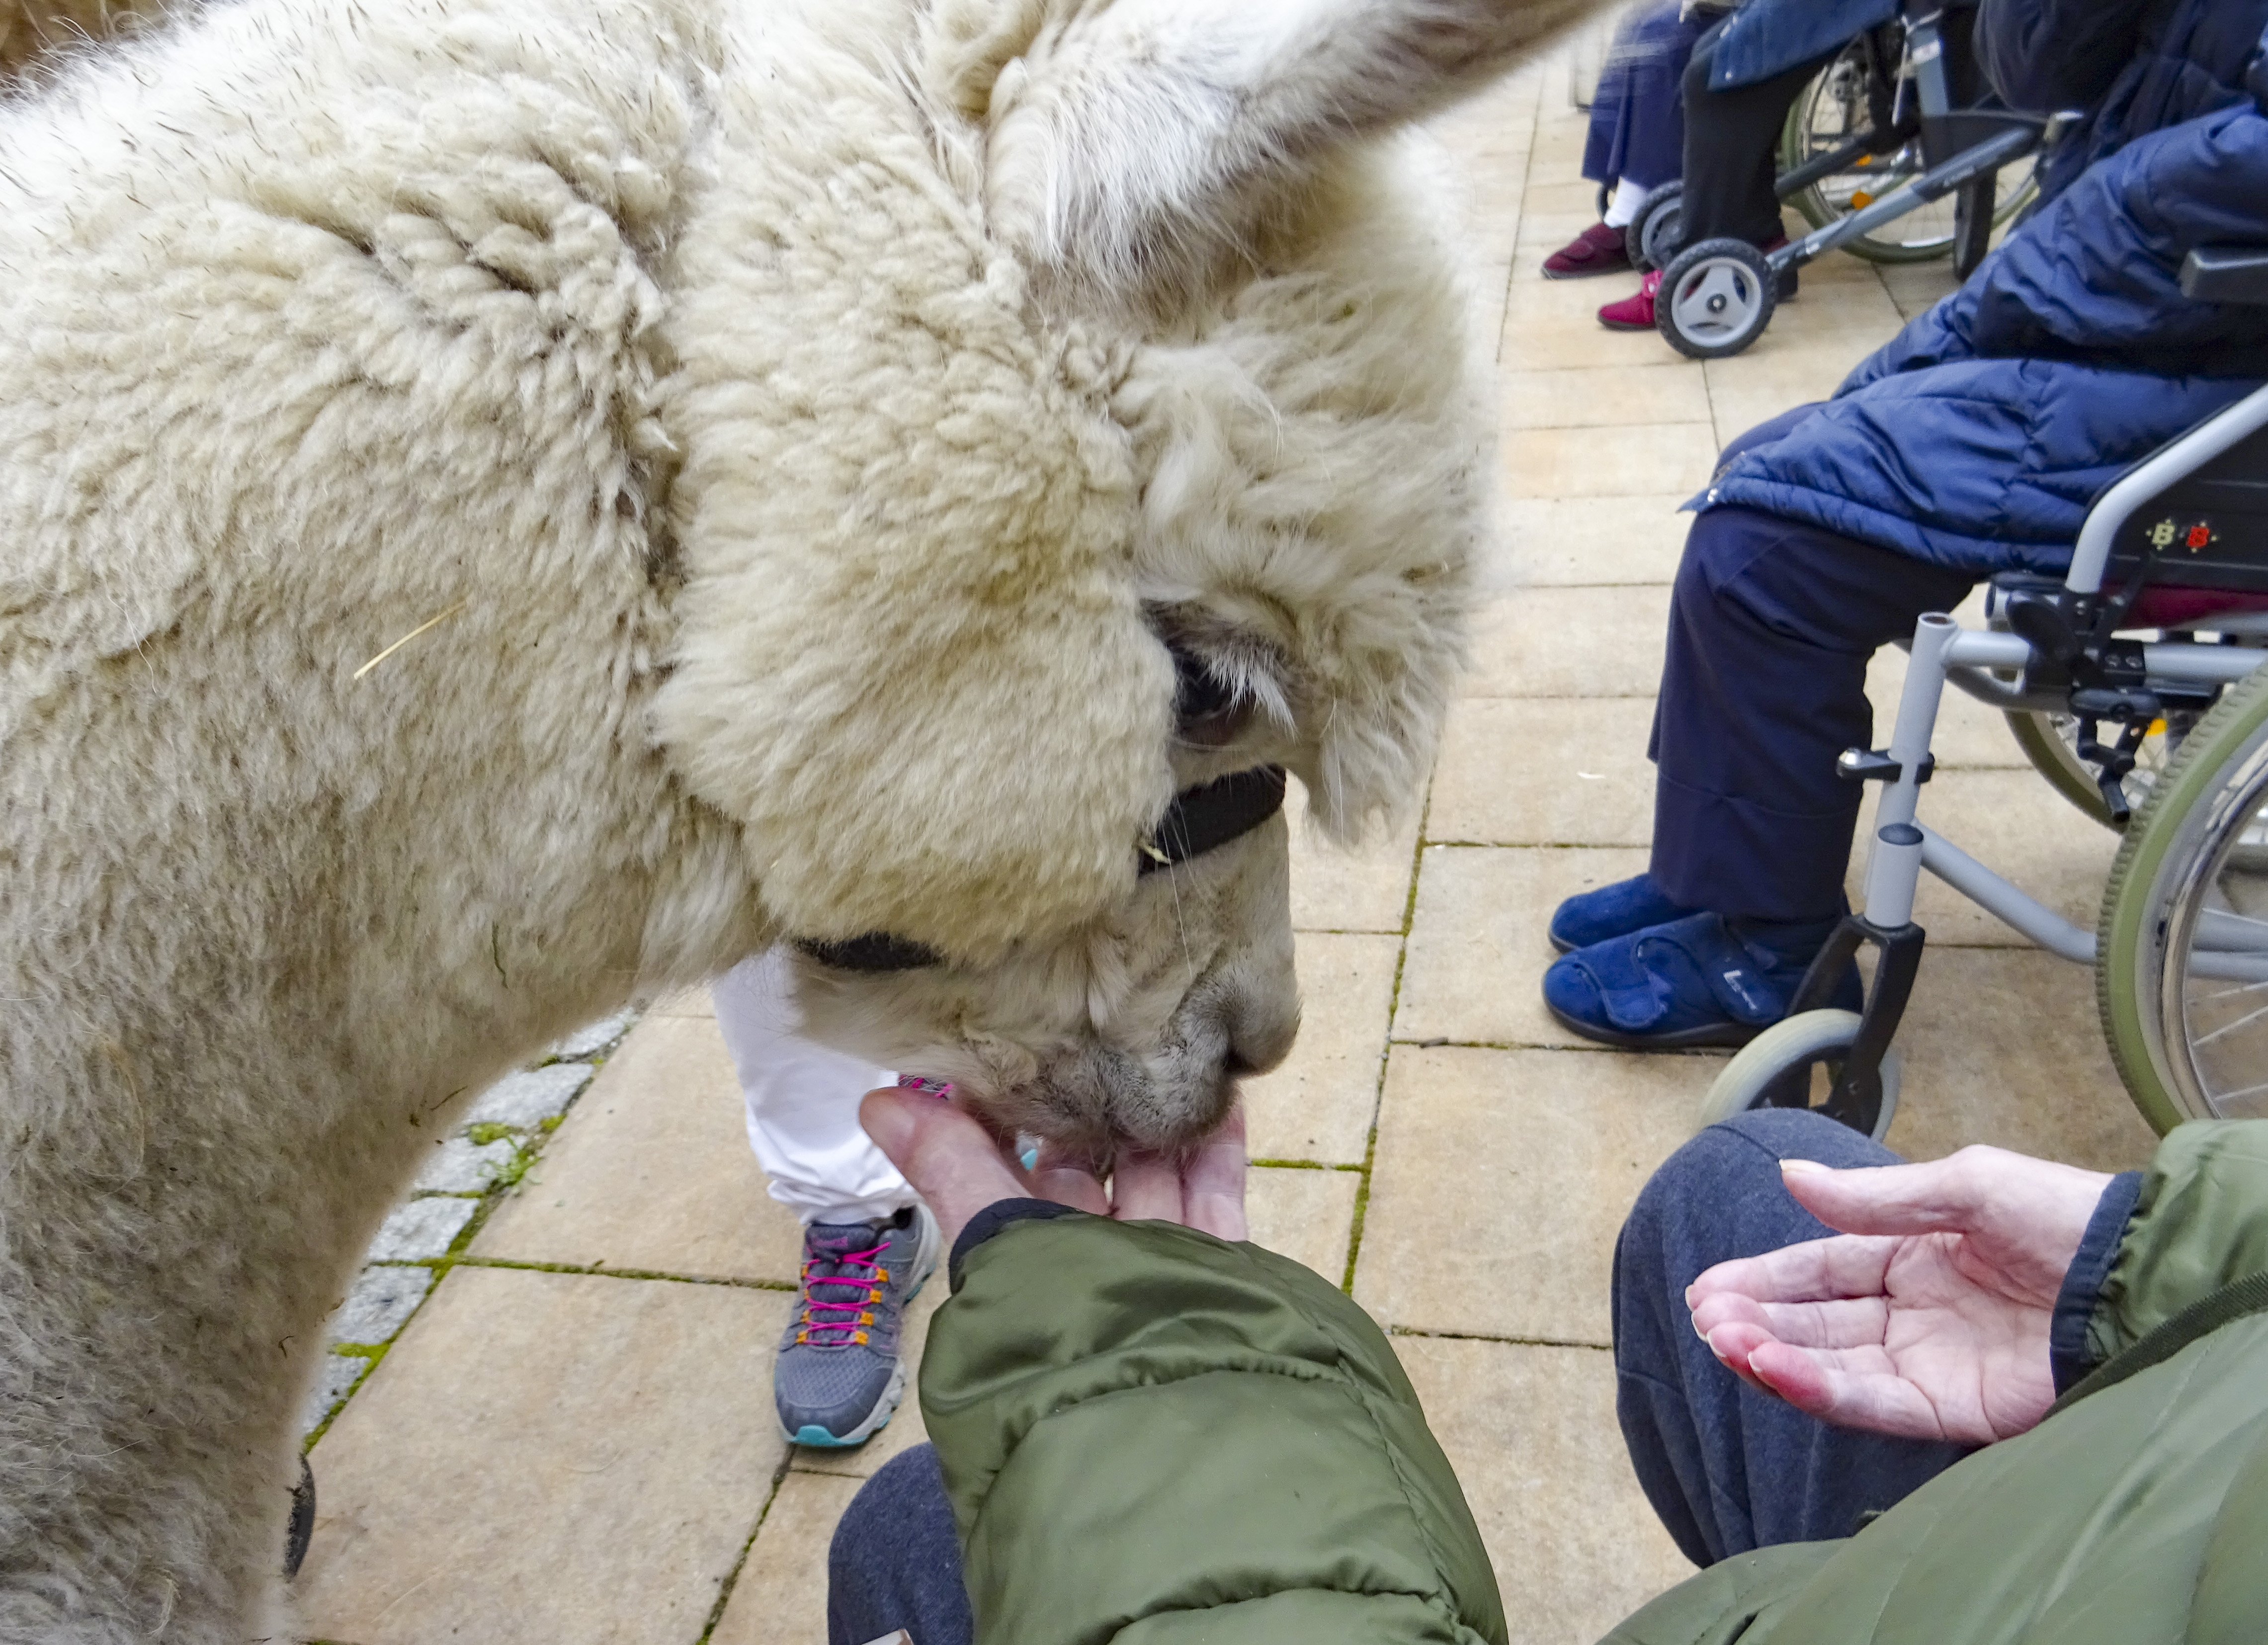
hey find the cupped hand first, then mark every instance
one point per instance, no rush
(1928, 1316)
(959, 1168)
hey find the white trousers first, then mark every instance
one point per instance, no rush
(802, 1102)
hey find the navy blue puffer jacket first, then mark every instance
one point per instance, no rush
(1978, 436)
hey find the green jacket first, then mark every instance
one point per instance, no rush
(1150, 1437)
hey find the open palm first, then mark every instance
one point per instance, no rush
(1929, 1317)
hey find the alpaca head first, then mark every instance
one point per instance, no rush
(1137, 439)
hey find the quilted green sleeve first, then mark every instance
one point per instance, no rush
(2201, 1223)
(1151, 1436)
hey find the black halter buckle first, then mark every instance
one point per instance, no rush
(1200, 820)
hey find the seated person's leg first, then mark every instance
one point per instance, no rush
(1732, 149)
(1635, 141)
(895, 1559)
(1771, 626)
(1727, 1468)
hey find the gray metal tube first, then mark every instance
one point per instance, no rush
(1889, 902)
(2181, 660)
(1996, 897)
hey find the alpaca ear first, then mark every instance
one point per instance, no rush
(1137, 140)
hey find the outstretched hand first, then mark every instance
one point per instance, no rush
(1928, 1316)
(959, 1168)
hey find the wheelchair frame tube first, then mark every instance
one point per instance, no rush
(1989, 155)
(2191, 452)
(1892, 867)
(2008, 903)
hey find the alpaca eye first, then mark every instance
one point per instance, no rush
(1207, 712)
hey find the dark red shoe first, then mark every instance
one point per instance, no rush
(1598, 249)
(1634, 313)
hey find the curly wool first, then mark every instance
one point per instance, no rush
(507, 504)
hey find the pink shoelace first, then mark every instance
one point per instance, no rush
(842, 1333)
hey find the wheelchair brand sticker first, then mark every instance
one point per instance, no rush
(2195, 538)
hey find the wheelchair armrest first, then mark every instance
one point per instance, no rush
(2225, 274)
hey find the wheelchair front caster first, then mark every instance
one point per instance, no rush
(1716, 299)
(1653, 238)
(1775, 1070)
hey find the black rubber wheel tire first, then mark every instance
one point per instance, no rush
(1652, 239)
(1739, 277)
(1972, 223)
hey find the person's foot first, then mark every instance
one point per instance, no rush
(1598, 249)
(840, 1373)
(1634, 313)
(1701, 980)
(1612, 911)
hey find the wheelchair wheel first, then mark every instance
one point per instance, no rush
(2181, 970)
(1794, 1064)
(1653, 238)
(2051, 743)
(1846, 97)
(1716, 299)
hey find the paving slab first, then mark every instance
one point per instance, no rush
(1544, 771)
(1361, 888)
(781, 1596)
(1641, 460)
(1305, 1215)
(2004, 1045)
(1532, 1156)
(1474, 971)
(654, 1174)
(1531, 1433)
(1570, 642)
(1318, 1105)
(1603, 396)
(1576, 541)
(550, 1458)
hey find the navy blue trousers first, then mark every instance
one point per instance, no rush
(1638, 115)
(1727, 1469)
(1772, 625)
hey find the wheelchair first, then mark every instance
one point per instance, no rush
(1875, 140)
(2153, 638)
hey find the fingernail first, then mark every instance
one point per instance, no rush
(1801, 1168)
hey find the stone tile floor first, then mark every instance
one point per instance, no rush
(571, 1438)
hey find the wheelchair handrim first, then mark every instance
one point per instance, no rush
(2198, 839)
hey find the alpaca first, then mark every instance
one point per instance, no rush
(509, 505)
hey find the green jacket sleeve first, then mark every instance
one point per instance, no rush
(2201, 1223)
(1150, 1436)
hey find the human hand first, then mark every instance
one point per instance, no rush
(1928, 1316)
(959, 1168)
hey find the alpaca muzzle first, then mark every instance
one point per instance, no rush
(1200, 820)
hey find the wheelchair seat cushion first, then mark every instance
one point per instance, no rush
(2169, 607)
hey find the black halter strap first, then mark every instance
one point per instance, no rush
(1200, 820)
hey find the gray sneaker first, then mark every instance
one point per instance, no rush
(839, 1374)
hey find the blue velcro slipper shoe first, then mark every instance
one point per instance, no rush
(1702, 980)
(1612, 911)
